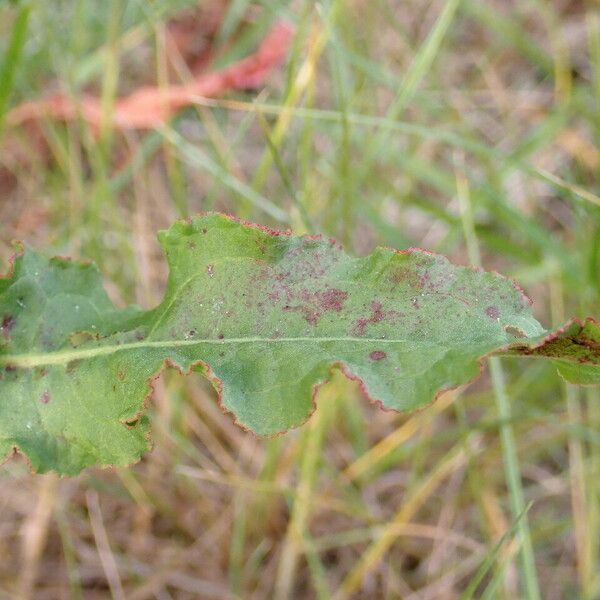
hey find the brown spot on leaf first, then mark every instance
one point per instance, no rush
(405, 275)
(45, 397)
(377, 355)
(72, 364)
(308, 314)
(492, 312)
(262, 245)
(515, 331)
(425, 281)
(8, 322)
(360, 326)
(121, 375)
(332, 299)
(377, 315)
(314, 304)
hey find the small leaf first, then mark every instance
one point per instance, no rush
(265, 316)
(575, 349)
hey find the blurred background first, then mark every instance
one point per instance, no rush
(466, 127)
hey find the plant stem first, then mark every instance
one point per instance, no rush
(509, 448)
(513, 479)
(293, 546)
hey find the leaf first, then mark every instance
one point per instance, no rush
(574, 348)
(265, 316)
(150, 106)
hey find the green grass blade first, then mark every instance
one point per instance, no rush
(486, 565)
(9, 66)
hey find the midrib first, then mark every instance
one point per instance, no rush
(65, 356)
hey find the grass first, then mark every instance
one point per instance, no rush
(470, 128)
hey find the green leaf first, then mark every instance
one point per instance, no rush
(265, 316)
(574, 348)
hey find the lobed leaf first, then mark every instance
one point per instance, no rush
(265, 316)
